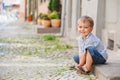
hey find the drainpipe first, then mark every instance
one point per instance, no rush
(63, 17)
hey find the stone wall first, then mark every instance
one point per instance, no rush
(73, 10)
(112, 25)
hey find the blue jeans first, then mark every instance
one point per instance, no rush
(96, 56)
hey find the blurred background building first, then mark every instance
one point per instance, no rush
(106, 15)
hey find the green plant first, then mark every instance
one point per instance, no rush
(49, 37)
(45, 17)
(50, 6)
(40, 15)
(54, 15)
(54, 5)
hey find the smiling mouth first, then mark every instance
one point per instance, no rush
(83, 32)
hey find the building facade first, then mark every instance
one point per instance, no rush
(105, 14)
(35, 7)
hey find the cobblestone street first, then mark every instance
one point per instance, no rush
(26, 55)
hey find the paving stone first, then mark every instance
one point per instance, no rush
(14, 66)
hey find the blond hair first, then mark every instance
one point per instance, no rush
(87, 19)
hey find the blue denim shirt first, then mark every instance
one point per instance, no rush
(92, 40)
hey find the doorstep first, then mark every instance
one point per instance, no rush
(110, 70)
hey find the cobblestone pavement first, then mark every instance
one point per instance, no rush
(24, 55)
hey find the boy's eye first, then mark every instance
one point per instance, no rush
(80, 26)
(85, 27)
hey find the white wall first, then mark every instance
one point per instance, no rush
(43, 7)
(89, 7)
(112, 23)
(113, 15)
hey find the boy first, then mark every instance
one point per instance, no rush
(91, 50)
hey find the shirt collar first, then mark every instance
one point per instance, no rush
(86, 37)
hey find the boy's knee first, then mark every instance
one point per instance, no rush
(90, 48)
(76, 58)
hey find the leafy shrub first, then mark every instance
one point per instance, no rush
(40, 15)
(44, 16)
(54, 5)
(54, 15)
(49, 37)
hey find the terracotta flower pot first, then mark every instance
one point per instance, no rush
(56, 23)
(29, 19)
(39, 21)
(46, 23)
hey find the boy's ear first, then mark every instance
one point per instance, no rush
(91, 28)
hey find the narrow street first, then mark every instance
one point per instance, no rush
(30, 51)
(7, 17)
(25, 55)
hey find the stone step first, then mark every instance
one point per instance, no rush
(41, 29)
(110, 70)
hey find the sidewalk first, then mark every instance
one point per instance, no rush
(17, 28)
(25, 56)
(51, 67)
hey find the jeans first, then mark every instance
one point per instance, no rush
(96, 56)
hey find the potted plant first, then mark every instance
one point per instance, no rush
(54, 5)
(55, 19)
(45, 20)
(30, 17)
(39, 19)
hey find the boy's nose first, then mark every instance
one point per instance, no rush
(82, 29)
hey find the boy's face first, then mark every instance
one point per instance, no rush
(84, 28)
